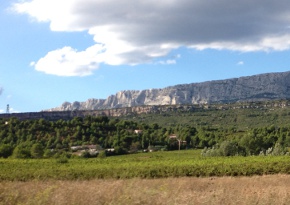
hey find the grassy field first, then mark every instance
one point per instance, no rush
(177, 177)
(188, 163)
(271, 189)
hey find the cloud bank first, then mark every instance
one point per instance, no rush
(136, 31)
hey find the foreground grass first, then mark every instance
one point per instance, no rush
(143, 165)
(271, 189)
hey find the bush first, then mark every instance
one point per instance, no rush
(62, 159)
(211, 152)
(21, 151)
(102, 154)
(48, 153)
(226, 148)
(37, 151)
(85, 154)
(278, 150)
(120, 150)
(6, 150)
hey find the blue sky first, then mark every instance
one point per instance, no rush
(52, 52)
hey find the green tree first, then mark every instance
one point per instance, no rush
(21, 151)
(48, 153)
(228, 148)
(6, 150)
(36, 150)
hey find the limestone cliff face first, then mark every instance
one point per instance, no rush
(253, 88)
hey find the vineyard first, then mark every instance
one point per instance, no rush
(182, 163)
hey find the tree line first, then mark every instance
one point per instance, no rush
(44, 138)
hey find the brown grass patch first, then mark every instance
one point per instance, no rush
(274, 189)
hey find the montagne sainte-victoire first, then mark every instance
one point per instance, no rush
(269, 86)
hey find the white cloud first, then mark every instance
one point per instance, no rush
(167, 62)
(32, 64)
(170, 61)
(134, 32)
(69, 62)
(240, 63)
(11, 110)
(267, 43)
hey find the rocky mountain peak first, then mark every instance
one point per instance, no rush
(261, 87)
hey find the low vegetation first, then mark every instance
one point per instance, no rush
(188, 163)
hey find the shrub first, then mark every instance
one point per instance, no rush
(36, 151)
(62, 159)
(226, 148)
(48, 153)
(6, 150)
(102, 154)
(277, 150)
(211, 152)
(21, 151)
(85, 154)
(120, 150)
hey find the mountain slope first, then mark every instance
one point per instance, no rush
(261, 87)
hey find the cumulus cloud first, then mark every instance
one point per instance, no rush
(135, 32)
(240, 63)
(69, 62)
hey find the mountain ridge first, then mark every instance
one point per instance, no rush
(261, 87)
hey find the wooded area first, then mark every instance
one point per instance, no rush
(228, 132)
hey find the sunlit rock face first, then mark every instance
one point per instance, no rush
(253, 88)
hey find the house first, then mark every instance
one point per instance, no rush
(174, 139)
(173, 136)
(138, 131)
(155, 148)
(92, 149)
(76, 148)
(86, 147)
(183, 142)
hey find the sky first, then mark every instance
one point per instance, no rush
(54, 51)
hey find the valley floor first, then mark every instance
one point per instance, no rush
(269, 189)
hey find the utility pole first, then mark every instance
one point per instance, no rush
(7, 109)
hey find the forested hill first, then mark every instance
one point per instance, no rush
(270, 86)
(247, 128)
(43, 138)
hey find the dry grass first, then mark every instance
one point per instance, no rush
(273, 189)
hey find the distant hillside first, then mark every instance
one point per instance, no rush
(264, 87)
(239, 116)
